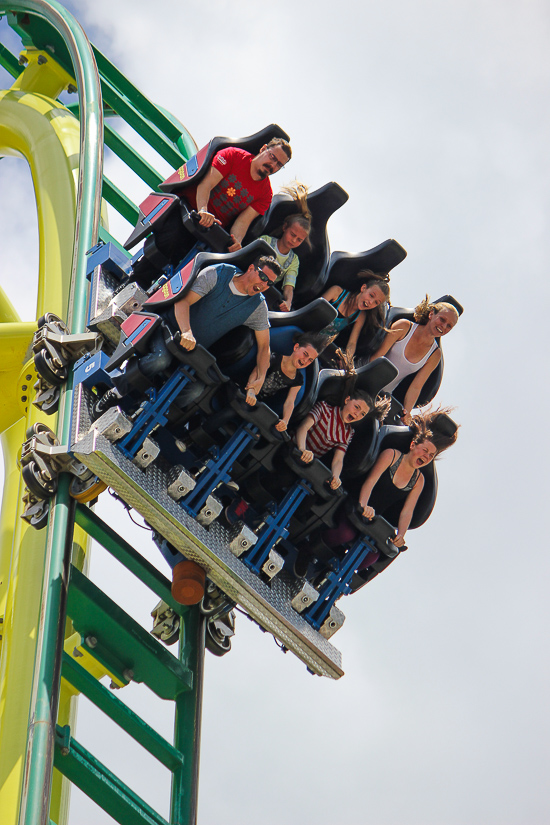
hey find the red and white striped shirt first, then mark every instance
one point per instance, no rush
(328, 431)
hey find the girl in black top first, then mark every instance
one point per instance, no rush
(396, 476)
(284, 379)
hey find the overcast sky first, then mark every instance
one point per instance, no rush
(434, 118)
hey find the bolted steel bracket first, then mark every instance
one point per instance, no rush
(65, 347)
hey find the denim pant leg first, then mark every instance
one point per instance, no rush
(190, 394)
(157, 359)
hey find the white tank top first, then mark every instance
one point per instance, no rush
(396, 355)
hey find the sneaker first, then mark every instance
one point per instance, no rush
(108, 399)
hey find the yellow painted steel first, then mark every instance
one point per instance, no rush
(49, 82)
(46, 134)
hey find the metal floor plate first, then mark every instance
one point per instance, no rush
(146, 491)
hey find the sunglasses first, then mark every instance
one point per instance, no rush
(263, 277)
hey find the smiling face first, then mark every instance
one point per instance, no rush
(442, 322)
(354, 409)
(370, 297)
(267, 162)
(422, 453)
(303, 356)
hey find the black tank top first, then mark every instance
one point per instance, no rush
(385, 493)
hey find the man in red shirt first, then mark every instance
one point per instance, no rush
(233, 192)
(236, 189)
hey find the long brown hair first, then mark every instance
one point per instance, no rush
(434, 425)
(374, 318)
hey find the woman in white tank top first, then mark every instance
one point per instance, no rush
(412, 348)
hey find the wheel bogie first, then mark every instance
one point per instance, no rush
(54, 374)
(40, 483)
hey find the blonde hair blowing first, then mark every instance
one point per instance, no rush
(422, 311)
(298, 191)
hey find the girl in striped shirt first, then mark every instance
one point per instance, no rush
(327, 427)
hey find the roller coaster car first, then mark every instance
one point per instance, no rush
(381, 531)
(136, 330)
(335, 576)
(431, 387)
(314, 256)
(343, 270)
(170, 246)
(179, 497)
(156, 206)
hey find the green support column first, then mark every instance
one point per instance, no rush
(187, 735)
(45, 698)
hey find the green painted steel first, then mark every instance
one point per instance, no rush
(40, 33)
(106, 237)
(125, 108)
(164, 121)
(126, 555)
(9, 62)
(97, 781)
(120, 201)
(122, 645)
(185, 784)
(128, 154)
(122, 715)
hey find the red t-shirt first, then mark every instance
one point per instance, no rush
(237, 190)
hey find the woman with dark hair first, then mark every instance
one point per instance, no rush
(361, 307)
(284, 377)
(412, 347)
(396, 476)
